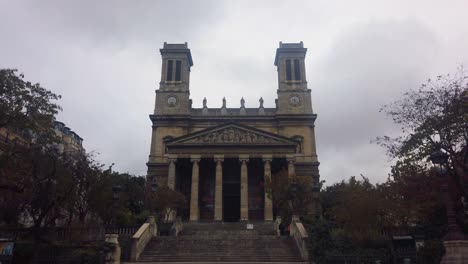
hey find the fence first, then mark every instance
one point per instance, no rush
(90, 233)
(83, 244)
(358, 259)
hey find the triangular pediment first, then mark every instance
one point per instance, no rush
(232, 134)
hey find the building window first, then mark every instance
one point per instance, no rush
(169, 70)
(297, 70)
(177, 71)
(174, 74)
(288, 70)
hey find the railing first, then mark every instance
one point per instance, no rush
(122, 231)
(358, 259)
(301, 237)
(177, 227)
(87, 233)
(276, 226)
(142, 237)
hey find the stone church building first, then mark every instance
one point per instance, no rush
(220, 158)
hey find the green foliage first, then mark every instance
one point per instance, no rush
(23, 104)
(320, 240)
(165, 202)
(431, 117)
(129, 208)
(278, 190)
(23, 252)
(431, 252)
(87, 252)
(367, 216)
(44, 186)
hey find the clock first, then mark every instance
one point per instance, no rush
(171, 100)
(295, 100)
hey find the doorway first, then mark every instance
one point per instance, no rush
(231, 190)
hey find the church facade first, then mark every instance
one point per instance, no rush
(221, 158)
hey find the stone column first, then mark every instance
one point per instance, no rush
(244, 191)
(218, 214)
(291, 169)
(194, 209)
(171, 181)
(113, 257)
(268, 204)
(171, 176)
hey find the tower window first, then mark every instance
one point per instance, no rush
(288, 70)
(177, 71)
(170, 64)
(297, 70)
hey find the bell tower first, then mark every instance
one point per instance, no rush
(293, 95)
(172, 97)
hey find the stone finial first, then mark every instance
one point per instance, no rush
(261, 110)
(204, 102)
(242, 101)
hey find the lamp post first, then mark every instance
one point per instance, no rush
(456, 245)
(154, 186)
(292, 197)
(440, 158)
(116, 189)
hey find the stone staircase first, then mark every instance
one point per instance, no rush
(222, 242)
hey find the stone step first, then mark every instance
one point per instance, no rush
(224, 262)
(258, 227)
(220, 259)
(222, 242)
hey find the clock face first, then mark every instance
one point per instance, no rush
(171, 100)
(295, 100)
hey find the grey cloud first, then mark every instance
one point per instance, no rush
(102, 56)
(370, 65)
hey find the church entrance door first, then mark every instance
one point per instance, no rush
(231, 190)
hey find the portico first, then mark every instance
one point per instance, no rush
(233, 179)
(252, 196)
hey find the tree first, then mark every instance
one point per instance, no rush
(88, 181)
(355, 215)
(37, 181)
(432, 117)
(278, 190)
(164, 201)
(24, 105)
(28, 111)
(368, 213)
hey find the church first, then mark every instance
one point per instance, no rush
(221, 158)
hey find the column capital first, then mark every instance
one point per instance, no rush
(244, 157)
(218, 158)
(267, 158)
(291, 158)
(171, 157)
(195, 158)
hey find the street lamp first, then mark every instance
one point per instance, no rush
(116, 191)
(115, 197)
(292, 195)
(154, 186)
(440, 158)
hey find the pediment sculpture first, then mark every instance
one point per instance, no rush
(232, 135)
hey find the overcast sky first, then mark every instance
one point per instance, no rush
(103, 58)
